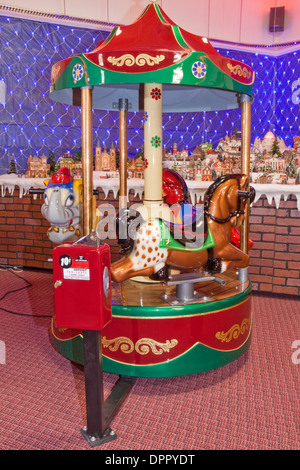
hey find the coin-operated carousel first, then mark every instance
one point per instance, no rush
(181, 297)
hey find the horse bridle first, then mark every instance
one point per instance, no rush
(245, 194)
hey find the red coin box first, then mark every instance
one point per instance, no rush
(82, 281)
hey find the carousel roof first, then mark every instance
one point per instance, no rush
(153, 49)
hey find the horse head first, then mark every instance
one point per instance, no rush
(226, 199)
(63, 207)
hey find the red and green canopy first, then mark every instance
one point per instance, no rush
(153, 49)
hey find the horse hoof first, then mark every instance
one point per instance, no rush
(213, 265)
(161, 275)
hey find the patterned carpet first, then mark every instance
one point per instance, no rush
(250, 404)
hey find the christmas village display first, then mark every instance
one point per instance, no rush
(271, 161)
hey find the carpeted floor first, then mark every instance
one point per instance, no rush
(250, 404)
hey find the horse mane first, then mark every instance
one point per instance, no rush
(215, 185)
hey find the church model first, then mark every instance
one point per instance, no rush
(105, 161)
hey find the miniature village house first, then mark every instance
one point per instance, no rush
(136, 168)
(75, 166)
(37, 167)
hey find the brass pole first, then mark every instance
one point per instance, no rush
(87, 158)
(245, 101)
(123, 108)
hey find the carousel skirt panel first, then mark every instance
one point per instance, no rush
(164, 341)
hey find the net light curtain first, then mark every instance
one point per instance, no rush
(32, 124)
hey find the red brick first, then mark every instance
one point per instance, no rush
(25, 255)
(261, 261)
(268, 237)
(286, 290)
(14, 220)
(267, 254)
(286, 273)
(287, 256)
(255, 236)
(269, 220)
(24, 242)
(279, 264)
(266, 287)
(23, 214)
(34, 249)
(260, 278)
(263, 228)
(289, 222)
(281, 230)
(287, 239)
(23, 228)
(252, 269)
(38, 215)
(293, 265)
(295, 231)
(7, 227)
(279, 280)
(282, 213)
(32, 222)
(264, 245)
(280, 247)
(268, 271)
(255, 219)
(264, 211)
(294, 248)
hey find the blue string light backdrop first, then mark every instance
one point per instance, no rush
(32, 124)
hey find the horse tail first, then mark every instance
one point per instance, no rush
(126, 226)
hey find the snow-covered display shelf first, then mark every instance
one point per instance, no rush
(8, 183)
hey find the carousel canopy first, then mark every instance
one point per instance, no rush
(153, 49)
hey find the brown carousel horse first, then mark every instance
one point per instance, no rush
(153, 246)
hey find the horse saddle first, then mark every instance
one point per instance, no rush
(189, 232)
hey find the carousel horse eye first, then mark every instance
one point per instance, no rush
(70, 200)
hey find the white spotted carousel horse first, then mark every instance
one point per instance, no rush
(153, 246)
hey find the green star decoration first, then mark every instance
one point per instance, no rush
(156, 141)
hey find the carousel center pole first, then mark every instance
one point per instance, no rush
(245, 102)
(153, 205)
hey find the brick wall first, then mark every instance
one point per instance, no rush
(23, 232)
(275, 257)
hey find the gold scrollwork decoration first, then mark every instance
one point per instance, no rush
(125, 344)
(129, 60)
(240, 71)
(234, 332)
(143, 346)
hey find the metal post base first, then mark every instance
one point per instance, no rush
(185, 293)
(96, 440)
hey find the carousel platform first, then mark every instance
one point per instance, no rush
(153, 335)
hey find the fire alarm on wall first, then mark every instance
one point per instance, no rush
(276, 19)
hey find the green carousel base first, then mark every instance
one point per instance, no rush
(168, 341)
